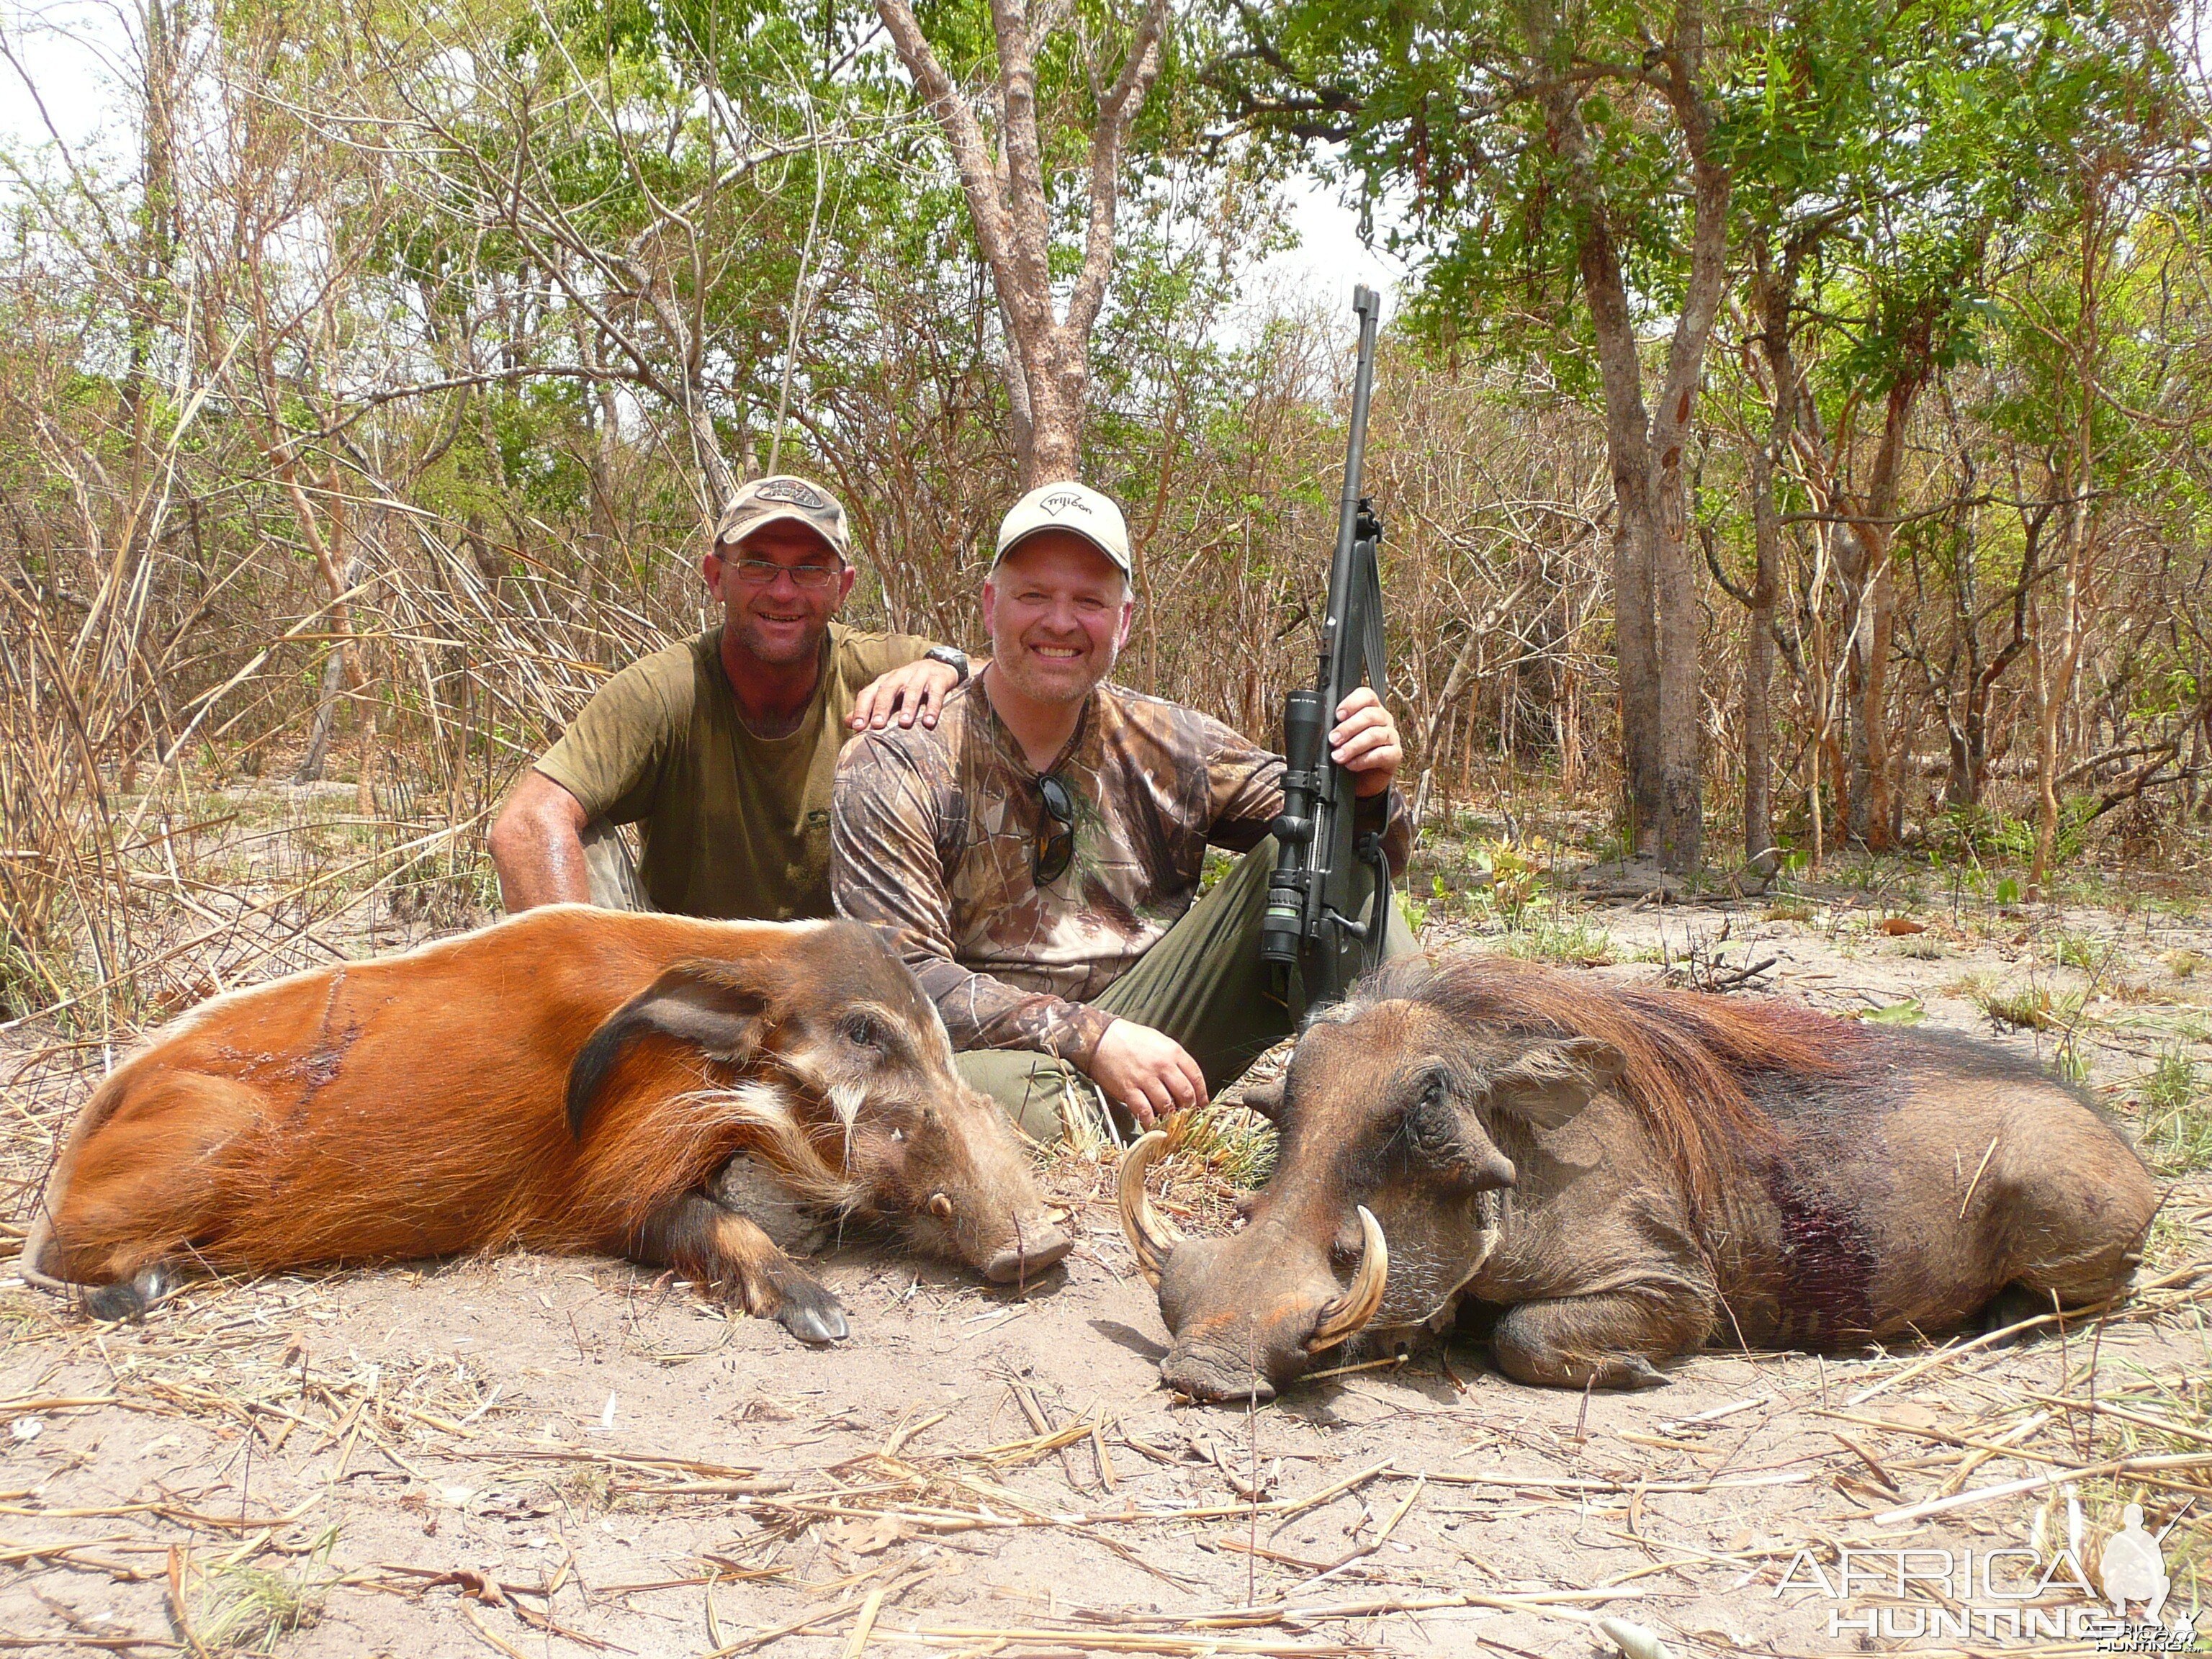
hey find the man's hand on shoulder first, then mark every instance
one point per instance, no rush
(1147, 1071)
(1365, 742)
(916, 692)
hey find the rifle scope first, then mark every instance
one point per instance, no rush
(1282, 926)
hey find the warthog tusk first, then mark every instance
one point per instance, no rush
(1349, 1314)
(1151, 1238)
(940, 1206)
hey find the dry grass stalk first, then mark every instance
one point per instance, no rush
(492, 1637)
(1371, 1546)
(1596, 1484)
(796, 1628)
(2139, 1305)
(1899, 1517)
(857, 1643)
(2106, 1408)
(1054, 1639)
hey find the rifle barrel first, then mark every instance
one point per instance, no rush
(1369, 305)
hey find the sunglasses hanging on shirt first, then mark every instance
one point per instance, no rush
(1054, 849)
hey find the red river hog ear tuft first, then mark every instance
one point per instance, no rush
(1553, 1081)
(718, 1007)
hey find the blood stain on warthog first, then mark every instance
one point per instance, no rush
(316, 1069)
(1827, 1266)
(320, 1065)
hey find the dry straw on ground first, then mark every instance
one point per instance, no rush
(354, 1463)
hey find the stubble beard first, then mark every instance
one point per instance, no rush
(751, 639)
(1084, 675)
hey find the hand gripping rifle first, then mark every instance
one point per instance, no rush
(1311, 921)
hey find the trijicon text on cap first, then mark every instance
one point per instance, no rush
(791, 490)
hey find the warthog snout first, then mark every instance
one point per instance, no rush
(1387, 1110)
(1248, 1312)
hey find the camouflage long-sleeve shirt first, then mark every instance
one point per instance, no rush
(932, 835)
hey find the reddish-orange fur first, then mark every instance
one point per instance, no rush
(411, 1106)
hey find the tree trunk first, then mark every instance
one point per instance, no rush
(332, 693)
(1759, 851)
(2055, 670)
(2047, 702)
(1627, 442)
(1868, 710)
(1772, 290)
(1654, 575)
(1048, 357)
(1874, 531)
(2076, 477)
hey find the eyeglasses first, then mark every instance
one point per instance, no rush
(761, 573)
(1054, 850)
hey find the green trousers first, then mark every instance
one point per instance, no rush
(1203, 984)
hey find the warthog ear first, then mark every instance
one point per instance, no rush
(718, 1007)
(1550, 1084)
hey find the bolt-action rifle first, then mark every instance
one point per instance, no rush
(1312, 921)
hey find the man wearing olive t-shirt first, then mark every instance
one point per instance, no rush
(722, 749)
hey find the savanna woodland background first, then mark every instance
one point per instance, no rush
(1792, 433)
(1791, 429)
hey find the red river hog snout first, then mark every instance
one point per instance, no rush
(569, 1080)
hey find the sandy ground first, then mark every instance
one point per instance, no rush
(531, 1456)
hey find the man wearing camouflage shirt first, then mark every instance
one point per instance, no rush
(1036, 857)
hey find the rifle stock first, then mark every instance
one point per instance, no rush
(1311, 923)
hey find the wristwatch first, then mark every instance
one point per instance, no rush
(953, 657)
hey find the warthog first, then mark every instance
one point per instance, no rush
(570, 1079)
(1621, 1175)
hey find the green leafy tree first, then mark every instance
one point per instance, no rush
(1567, 174)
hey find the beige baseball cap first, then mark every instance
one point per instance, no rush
(765, 501)
(1071, 506)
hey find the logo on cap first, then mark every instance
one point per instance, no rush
(1060, 502)
(789, 490)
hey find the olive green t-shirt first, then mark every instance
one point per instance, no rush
(734, 824)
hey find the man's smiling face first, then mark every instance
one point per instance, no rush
(780, 620)
(1058, 612)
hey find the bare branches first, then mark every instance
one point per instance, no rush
(971, 152)
(1008, 198)
(1116, 112)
